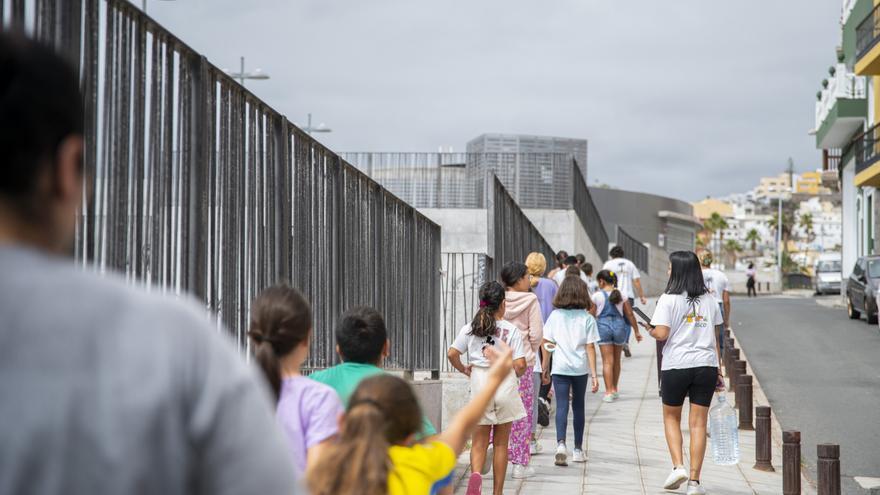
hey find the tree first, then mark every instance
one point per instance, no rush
(731, 249)
(787, 224)
(716, 224)
(806, 223)
(753, 237)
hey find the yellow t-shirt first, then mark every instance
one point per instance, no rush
(417, 468)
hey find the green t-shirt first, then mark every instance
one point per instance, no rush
(344, 379)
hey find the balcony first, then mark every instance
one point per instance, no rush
(841, 109)
(867, 47)
(867, 151)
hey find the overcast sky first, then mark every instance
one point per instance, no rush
(684, 98)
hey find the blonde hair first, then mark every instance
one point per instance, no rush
(536, 264)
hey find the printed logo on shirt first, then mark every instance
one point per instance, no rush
(697, 320)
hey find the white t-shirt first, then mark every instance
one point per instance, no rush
(572, 330)
(560, 277)
(716, 281)
(599, 299)
(626, 272)
(691, 342)
(472, 346)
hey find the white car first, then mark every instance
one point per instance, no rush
(826, 278)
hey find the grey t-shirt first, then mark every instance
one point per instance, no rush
(105, 389)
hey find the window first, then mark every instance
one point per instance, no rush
(874, 268)
(828, 267)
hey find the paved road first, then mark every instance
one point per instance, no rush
(821, 373)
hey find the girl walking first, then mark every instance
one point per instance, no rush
(376, 453)
(524, 311)
(571, 332)
(545, 289)
(308, 411)
(685, 319)
(614, 322)
(489, 328)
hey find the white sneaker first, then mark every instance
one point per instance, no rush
(579, 456)
(616, 395)
(561, 455)
(490, 458)
(535, 448)
(608, 398)
(678, 476)
(522, 472)
(695, 488)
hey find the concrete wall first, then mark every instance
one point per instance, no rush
(563, 230)
(636, 212)
(461, 230)
(430, 394)
(654, 282)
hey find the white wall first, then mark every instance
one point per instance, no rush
(461, 230)
(849, 218)
(563, 231)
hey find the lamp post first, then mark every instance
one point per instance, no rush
(241, 75)
(321, 128)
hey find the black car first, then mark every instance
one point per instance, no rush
(861, 289)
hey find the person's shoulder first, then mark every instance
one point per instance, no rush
(507, 325)
(669, 299)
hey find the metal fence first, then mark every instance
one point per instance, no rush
(200, 187)
(512, 236)
(462, 276)
(588, 214)
(635, 250)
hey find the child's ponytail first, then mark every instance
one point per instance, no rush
(610, 279)
(491, 298)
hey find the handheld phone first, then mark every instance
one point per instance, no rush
(642, 315)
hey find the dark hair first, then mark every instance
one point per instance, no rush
(580, 258)
(570, 261)
(610, 278)
(491, 298)
(573, 271)
(573, 294)
(512, 272)
(616, 252)
(560, 258)
(383, 411)
(751, 265)
(361, 335)
(40, 106)
(587, 268)
(686, 275)
(281, 319)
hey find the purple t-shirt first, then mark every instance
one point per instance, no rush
(308, 413)
(546, 291)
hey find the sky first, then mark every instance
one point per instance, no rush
(683, 98)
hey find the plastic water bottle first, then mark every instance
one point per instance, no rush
(723, 428)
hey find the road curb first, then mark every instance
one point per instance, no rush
(760, 399)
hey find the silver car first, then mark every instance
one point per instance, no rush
(826, 279)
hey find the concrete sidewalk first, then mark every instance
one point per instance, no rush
(626, 448)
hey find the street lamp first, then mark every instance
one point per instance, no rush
(321, 127)
(242, 75)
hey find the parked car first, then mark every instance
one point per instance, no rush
(826, 274)
(861, 289)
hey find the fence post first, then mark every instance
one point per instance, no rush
(763, 443)
(743, 399)
(828, 468)
(201, 142)
(734, 356)
(739, 369)
(791, 463)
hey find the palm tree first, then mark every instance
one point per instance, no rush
(716, 223)
(731, 248)
(753, 237)
(806, 223)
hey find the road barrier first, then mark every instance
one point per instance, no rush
(731, 371)
(739, 369)
(791, 462)
(744, 401)
(763, 439)
(828, 468)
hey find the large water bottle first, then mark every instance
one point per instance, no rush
(723, 430)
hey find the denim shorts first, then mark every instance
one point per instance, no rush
(613, 330)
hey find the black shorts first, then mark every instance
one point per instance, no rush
(698, 384)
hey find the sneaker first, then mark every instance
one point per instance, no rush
(522, 472)
(678, 476)
(579, 456)
(490, 458)
(608, 398)
(475, 484)
(616, 395)
(535, 448)
(695, 488)
(626, 350)
(561, 455)
(543, 413)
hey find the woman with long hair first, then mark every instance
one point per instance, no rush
(685, 319)
(614, 318)
(545, 290)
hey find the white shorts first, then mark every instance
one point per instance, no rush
(506, 406)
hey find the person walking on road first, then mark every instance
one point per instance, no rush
(569, 334)
(685, 318)
(628, 277)
(524, 311)
(750, 280)
(545, 290)
(614, 320)
(717, 283)
(105, 388)
(592, 285)
(560, 261)
(569, 263)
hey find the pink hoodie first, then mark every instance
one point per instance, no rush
(524, 311)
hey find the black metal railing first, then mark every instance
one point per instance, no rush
(635, 251)
(868, 32)
(512, 236)
(200, 187)
(866, 147)
(588, 214)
